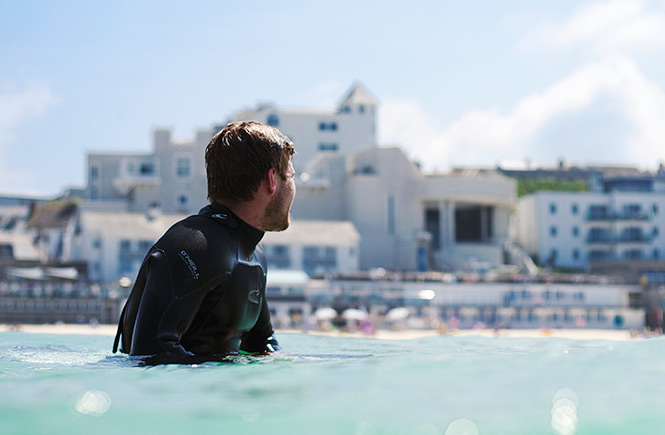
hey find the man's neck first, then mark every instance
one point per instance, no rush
(247, 211)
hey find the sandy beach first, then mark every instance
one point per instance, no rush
(382, 334)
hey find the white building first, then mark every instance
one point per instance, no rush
(504, 305)
(113, 244)
(406, 220)
(600, 231)
(409, 220)
(172, 177)
(315, 247)
(346, 129)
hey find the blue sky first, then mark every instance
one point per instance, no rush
(474, 83)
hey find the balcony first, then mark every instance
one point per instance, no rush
(600, 239)
(133, 175)
(631, 216)
(634, 238)
(612, 216)
(609, 239)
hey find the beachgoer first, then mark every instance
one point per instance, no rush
(200, 293)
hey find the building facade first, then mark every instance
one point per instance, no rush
(409, 220)
(171, 178)
(618, 228)
(346, 129)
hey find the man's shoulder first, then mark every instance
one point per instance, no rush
(203, 224)
(199, 243)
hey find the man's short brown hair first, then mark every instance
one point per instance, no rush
(238, 157)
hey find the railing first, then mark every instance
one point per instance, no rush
(622, 238)
(608, 216)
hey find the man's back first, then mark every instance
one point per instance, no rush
(200, 292)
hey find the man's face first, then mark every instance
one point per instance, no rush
(277, 214)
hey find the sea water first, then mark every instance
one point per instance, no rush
(72, 384)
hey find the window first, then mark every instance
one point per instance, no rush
(94, 172)
(11, 223)
(361, 109)
(6, 251)
(576, 254)
(598, 255)
(632, 211)
(183, 200)
(432, 226)
(144, 245)
(328, 147)
(125, 245)
(147, 168)
(552, 208)
(97, 244)
(474, 223)
(273, 120)
(278, 257)
(280, 250)
(319, 259)
(327, 126)
(125, 266)
(182, 168)
(599, 235)
(598, 212)
(576, 231)
(553, 231)
(656, 254)
(654, 209)
(391, 215)
(574, 209)
(632, 254)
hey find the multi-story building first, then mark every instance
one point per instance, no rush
(171, 178)
(616, 229)
(346, 129)
(405, 219)
(113, 244)
(409, 220)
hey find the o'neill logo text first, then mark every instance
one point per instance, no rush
(190, 263)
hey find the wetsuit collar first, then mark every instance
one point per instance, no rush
(249, 235)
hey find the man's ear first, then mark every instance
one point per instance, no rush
(272, 180)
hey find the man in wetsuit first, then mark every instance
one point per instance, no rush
(200, 293)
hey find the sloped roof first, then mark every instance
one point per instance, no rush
(134, 226)
(54, 214)
(358, 95)
(315, 233)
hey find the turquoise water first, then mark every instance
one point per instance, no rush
(72, 384)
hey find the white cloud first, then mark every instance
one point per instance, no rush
(612, 26)
(325, 94)
(486, 137)
(14, 109)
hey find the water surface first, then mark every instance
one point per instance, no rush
(339, 385)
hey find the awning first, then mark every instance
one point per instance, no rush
(62, 272)
(34, 273)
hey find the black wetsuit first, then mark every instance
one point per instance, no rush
(200, 293)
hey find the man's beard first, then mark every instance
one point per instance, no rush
(276, 216)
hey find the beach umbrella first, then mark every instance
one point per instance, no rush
(325, 313)
(354, 314)
(399, 313)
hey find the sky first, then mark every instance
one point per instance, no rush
(477, 83)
